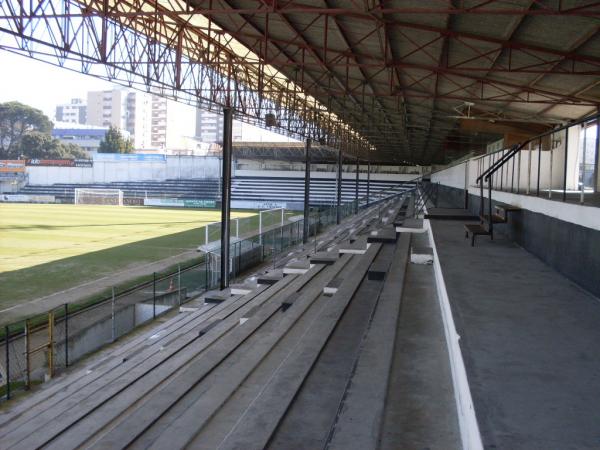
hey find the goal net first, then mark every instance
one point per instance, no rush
(89, 196)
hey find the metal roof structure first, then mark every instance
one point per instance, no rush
(389, 80)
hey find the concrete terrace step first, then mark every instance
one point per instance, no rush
(287, 365)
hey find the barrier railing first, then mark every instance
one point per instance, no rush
(559, 162)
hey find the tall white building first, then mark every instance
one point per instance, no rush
(153, 122)
(209, 127)
(172, 124)
(73, 112)
(139, 119)
(124, 109)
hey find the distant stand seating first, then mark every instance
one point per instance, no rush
(207, 189)
(259, 189)
(322, 191)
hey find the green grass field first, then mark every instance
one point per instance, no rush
(48, 248)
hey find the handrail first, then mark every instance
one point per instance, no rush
(516, 149)
(500, 161)
(546, 133)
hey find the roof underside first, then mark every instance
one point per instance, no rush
(404, 73)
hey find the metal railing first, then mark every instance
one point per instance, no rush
(545, 165)
(35, 348)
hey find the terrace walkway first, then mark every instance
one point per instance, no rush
(529, 338)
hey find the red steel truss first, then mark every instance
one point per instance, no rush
(314, 79)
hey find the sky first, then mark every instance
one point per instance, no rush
(44, 86)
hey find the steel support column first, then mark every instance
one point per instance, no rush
(338, 216)
(356, 186)
(226, 195)
(368, 182)
(597, 160)
(306, 230)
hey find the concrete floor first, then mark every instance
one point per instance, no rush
(420, 405)
(529, 338)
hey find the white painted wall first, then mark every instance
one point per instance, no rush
(453, 176)
(552, 163)
(109, 171)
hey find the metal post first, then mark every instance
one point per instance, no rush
(260, 236)
(7, 356)
(491, 222)
(502, 170)
(597, 162)
(66, 335)
(27, 356)
(356, 187)
(112, 313)
(226, 195)
(582, 170)
(481, 196)
(368, 181)
(539, 166)
(512, 176)
(50, 344)
(179, 284)
(339, 187)
(153, 295)
(306, 229)
(551, 168)
(566, 163)
(529, 151)
(466, 186)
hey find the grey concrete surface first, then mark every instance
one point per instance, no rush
(573, 247)
(308, 422)
(529, 337)
(367, 390)
(420, 406)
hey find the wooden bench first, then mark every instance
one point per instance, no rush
(326, 258)
(475, 229)
(270, 278)
(496, 218)
(507, 209)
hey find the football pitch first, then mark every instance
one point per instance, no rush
(49, 248)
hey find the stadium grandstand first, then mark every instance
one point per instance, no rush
(254, 189)
(420, 270)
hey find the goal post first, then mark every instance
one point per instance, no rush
(269, 218)
(90, 196)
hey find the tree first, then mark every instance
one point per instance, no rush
(17, 120)
(36, 145)
(114, 142)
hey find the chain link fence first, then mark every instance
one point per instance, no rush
(34, 349)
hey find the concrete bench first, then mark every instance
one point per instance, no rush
(333, 286)
(206, 328)
(377, 270)
(326, 258)
(356, 247)
(421, 255)
(260, 419)
(370, 379)
(411, 226)
(297, 267)
(242, 289)
(386, 235)
(270, 278)
(214, 299)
